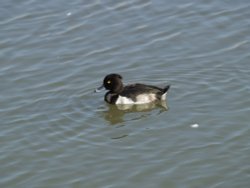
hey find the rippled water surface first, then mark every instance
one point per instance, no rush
(56, 132)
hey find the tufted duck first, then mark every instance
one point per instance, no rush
(131, 94)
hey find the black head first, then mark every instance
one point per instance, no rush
(113, 82)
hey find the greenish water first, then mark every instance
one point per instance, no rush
(56, 132)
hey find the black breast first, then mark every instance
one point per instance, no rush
(111, 97)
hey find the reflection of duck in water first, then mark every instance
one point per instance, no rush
(120, 113)
(131, 94)
(142, 107)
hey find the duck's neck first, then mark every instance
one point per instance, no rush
(118, 89)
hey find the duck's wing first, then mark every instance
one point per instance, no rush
(136, 89)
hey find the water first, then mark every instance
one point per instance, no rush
(55, 132)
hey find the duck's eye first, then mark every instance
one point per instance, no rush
(108, 82)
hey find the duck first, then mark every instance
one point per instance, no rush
(136, 93)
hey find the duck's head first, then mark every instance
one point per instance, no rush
(113, 83)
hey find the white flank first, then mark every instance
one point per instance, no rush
(124, 100)
(140, 99)
(145, 98)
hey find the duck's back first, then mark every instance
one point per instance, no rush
(136, 89)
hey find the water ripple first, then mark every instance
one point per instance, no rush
(56, 132)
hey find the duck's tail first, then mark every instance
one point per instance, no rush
(164, 94)
(166, 89)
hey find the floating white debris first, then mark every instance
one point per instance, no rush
(194, 125)
(69, 14)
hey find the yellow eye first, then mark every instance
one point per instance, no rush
(108, 82)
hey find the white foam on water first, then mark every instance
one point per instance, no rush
(194, 125)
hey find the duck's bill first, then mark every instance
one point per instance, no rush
(99, 89)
